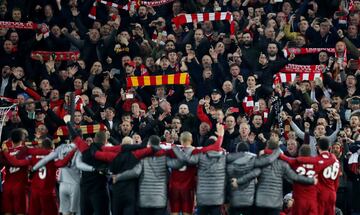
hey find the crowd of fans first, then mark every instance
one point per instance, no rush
(231, 83)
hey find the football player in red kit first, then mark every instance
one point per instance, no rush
(305, 196)
(14, 187)
(182, 183)
(42, 197)
(328, 179)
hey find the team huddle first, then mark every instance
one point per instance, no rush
(153, 178)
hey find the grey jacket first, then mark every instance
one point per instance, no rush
(269, 191)
(211, 176)
(241, 166)
(153, 180)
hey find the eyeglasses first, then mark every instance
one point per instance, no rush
(188, 91)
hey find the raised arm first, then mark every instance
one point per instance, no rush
(297, 130)
(332, 137)
(128, 174)
(220, 131)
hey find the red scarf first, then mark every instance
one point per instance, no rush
(131, 5)
(200, 17)
(344, 58)
(290, 77)
(42, 28)
(59, 56)
(143, 70)
(295, 68)
(303, 51)
(343, 19)
(248, 105)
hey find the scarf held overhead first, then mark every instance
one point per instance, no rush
(295, 68)
(290, 77)
(58, 56)
(304, 51)
(42, 28)
(201, 17)
(131, 5)
(173, 79)
(85, 129)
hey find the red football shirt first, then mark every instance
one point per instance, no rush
(45, 178)
(309, 167)
(329, 175)
(16, 176)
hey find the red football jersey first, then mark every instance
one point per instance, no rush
(184, 178)
(45, 178)
(15, 176)
(309, 167)
(329, 175)
(308, 170)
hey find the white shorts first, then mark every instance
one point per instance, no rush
(69, 198)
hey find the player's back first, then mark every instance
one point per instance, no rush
(16, 175)
(306, 169)
(329, 173)
(45, 178)
(185, 177)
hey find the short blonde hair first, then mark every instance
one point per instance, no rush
(185, 137)
(127, 140)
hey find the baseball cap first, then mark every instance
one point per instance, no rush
(131, 63)
(215, 91)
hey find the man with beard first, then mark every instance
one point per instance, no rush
(125, 129)
(145, 17)
(208, 30)
(250, 52)
(5, 81)
(164, 67)
(354, 122)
